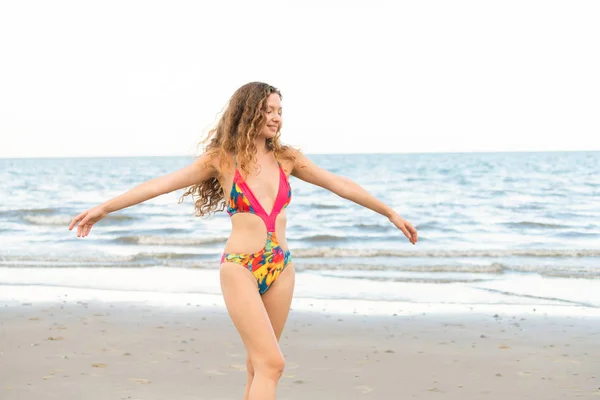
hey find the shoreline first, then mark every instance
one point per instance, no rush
(176, 287)
(19, 295)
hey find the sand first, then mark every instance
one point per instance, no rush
(100, 350)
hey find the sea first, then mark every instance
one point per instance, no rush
(494, 228)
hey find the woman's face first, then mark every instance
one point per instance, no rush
(273, 116)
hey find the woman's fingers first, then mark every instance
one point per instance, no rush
(84, 222)
(413, 232)
(410, 232)
(77, 218)
(81, 227)
(405, 231)
(406, 228)
(85, 227)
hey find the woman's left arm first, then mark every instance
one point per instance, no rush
(309, 172)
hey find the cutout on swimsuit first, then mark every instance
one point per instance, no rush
(271, 260)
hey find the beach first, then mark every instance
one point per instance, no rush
(82, 347)
(500, 299)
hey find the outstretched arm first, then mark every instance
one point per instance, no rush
(200, 170)
(309, 172)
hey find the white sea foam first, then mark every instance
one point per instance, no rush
(511, 289)
(188, 302)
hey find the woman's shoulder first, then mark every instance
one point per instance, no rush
(290, 153)
(291, 158)
(219, 161)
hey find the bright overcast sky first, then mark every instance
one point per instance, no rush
(111, 78)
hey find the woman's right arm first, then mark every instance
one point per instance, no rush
(200, 170)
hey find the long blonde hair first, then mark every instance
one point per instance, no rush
(235, 133)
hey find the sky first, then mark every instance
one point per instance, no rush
(149, 78)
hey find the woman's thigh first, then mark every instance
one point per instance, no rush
(247, 311)
(278, 299)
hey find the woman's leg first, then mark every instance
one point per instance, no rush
(249, 315)
(277, 300)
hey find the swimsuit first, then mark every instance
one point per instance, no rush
(267, 263)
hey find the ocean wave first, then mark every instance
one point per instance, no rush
(149, 232)
(92, 260)
(375, 227)
(338, 238)
(427, 272)
(69, 258)
(29, 211)
(562, 271)
(120, 217)
(56, 220)
(169, 241)
(75, 265)
(321, 238)
(408, 279)
(431, 225)
(48, 219)
(494, 268)
(332, 252)
(526, 206)
(52, 214)
(321, 206)
(165, 256)
(530, 224)
(565, 215)
(574, 234)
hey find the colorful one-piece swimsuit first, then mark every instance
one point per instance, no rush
(267, 263)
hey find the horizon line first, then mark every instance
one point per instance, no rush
(310, 153)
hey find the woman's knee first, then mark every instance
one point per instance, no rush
(249, 366)
(271, 366)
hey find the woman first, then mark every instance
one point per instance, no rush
(246, 169)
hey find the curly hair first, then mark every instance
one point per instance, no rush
(240, 124)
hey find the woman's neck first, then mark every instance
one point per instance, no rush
(261, 146)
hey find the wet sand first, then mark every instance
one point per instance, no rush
(100, 350)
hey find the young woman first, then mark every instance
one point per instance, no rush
(245, 169)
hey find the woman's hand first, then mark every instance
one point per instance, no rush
(405, 227)
(87, 219)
